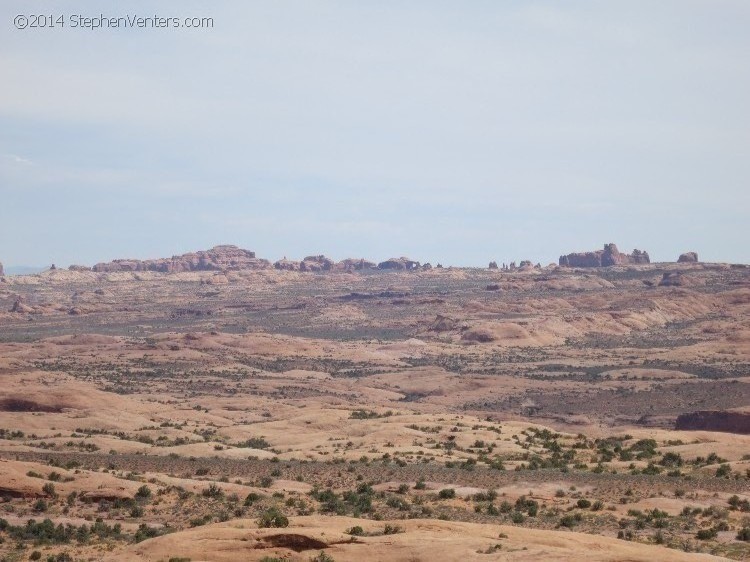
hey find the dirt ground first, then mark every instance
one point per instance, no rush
(450, 414)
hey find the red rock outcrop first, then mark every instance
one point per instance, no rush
(286, 265)
(316, 263)
(399, 264)
(219, 258)
(20, 307)
(354, 264)
(688, 257)
(610, 255)
(310, 263)
(715, 420)
(672, 279)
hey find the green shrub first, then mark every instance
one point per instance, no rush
(272, 517)
(744, 534)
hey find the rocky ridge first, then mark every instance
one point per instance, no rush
(218, 258)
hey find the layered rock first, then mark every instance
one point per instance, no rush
(399, 264)
(354, 264)
(715, 420)
(286, 265)
(219, 258)
(688, 257)
(610, 255)
(316, 263)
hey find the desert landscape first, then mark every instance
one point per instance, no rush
(217, 406)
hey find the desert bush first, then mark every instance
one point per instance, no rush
(143, 493)
(272, 517)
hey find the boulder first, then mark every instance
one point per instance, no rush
(672, 279)
(21, 308)
(688, 257)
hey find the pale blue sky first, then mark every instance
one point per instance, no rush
(453, 132)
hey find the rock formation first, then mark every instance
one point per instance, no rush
(399, 264)
(79, 268)
(20, 307)
(316, 263)
(671, 279)
(493, 265)
(707, 420)
(610, 255)
(218, 258)
(353, 264)
(286, 265)
(688, 257)
(1, 269)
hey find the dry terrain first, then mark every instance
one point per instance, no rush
(432, 414)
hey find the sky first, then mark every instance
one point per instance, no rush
(451, 132)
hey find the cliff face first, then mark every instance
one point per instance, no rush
(715, 420)
(610, 255)
(216, 259)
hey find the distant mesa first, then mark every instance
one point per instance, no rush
(228, 258)
(218, 258)
(688, 257)
(610, 255)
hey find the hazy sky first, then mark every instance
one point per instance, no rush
(453, 132)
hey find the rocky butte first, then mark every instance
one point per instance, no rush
(688, 257)
(218, 258)
(610, 255)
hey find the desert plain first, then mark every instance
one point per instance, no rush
(358, 413)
